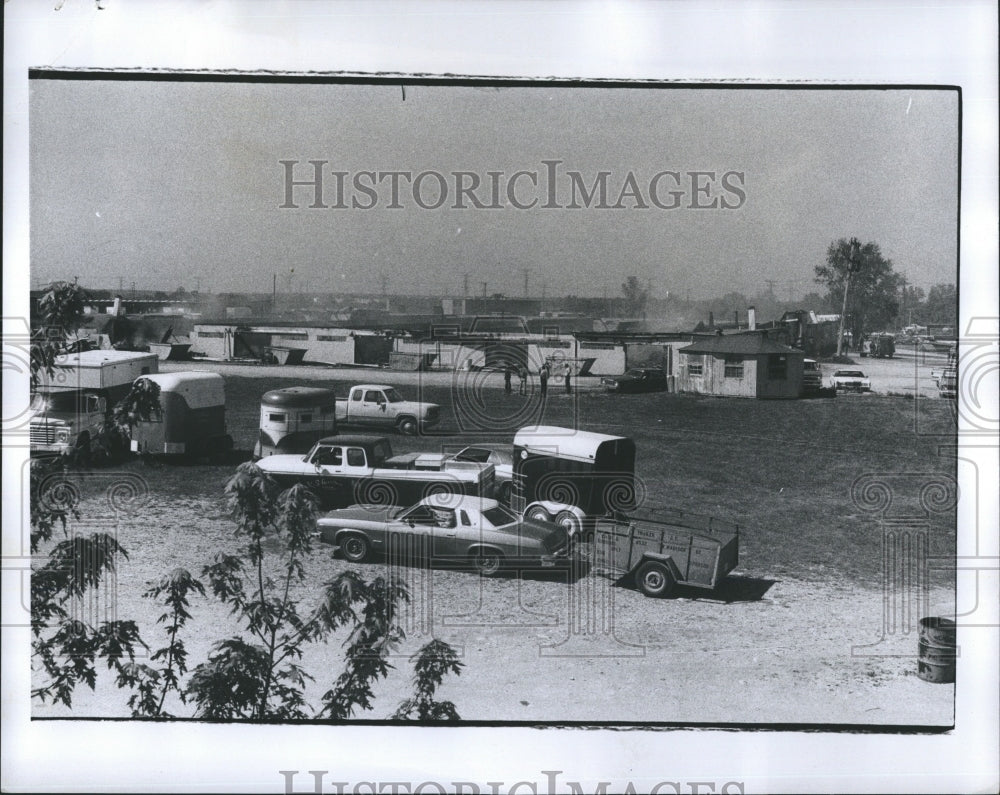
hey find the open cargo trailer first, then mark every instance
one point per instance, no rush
(660, 549)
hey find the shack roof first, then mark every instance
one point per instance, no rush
(740, 344)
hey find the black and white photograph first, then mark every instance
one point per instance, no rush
(376, 409)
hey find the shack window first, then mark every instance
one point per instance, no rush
(145, 371)
(777, 367)
(695, 368)
(355, 457)
(734, 366)
(276, 417)
(306, 418)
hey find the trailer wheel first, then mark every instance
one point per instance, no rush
(654, 579)
(539, 514)
(487, 562)
(355, 547)
(407, 426)
(503, 493)
(571, 522)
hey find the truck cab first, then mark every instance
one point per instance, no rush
(65, 420)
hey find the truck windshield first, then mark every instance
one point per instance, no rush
(55, 401)
(393, 396)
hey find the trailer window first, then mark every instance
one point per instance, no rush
(306, 418)
(276, 417)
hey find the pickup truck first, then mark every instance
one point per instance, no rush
(382, 406)
(350, 470)
(659, 550)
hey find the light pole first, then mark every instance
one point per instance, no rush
(853, 263)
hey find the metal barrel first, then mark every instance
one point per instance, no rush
(937, 650)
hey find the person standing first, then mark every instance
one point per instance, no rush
(522, 377)
(543, 379)
(566, 376)
(508, 371)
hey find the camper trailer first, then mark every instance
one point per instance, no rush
(293, 419)
(571, 477)
(192, 417)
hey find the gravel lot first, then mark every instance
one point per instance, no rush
(779, 651)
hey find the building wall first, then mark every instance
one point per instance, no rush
(788, 387)
(713, 380)
(609, 356)
(331, 345)
(754, 381)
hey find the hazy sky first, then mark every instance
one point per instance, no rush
(166, 183)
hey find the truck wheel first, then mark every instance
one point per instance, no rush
(354, 547)
(487, 562)
(539, 514)
(407, 426)
(654, 579)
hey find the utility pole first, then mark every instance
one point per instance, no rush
(383, 281)
(770, 286)
(465, 285)
(853, 263)
(274, 290)
(525, 282)
(484, 290)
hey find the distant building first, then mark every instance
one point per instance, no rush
(741, 365)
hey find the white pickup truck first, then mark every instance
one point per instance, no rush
(382, 406)
(352, 470)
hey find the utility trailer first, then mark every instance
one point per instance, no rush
(662, 549)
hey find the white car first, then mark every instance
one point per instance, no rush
(851, 381)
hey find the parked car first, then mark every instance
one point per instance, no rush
(447, 530)
(851, 381)
(638, 379)
(502, 459)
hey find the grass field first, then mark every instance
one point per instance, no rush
(782, 470)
